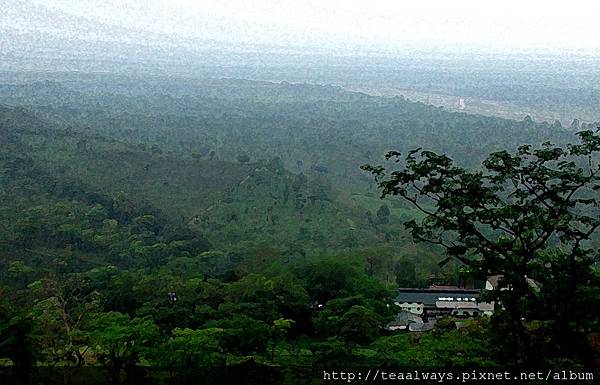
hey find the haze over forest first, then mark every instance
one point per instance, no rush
(190, 184)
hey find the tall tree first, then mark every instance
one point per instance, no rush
(119, 342)
(527, 216)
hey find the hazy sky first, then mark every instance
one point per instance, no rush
(376, 24)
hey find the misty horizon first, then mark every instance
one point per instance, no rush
(383, 28)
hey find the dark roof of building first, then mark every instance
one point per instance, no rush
(430, 296)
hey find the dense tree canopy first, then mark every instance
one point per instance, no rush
(224, 223)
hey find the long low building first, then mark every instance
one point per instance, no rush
(437, 302)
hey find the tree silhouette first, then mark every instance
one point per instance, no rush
(526, 216)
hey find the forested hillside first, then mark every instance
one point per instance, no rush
(183, 223)
(299, 192)
(308, 126)
(276, 165)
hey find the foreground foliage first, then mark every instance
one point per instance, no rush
(528, 217)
